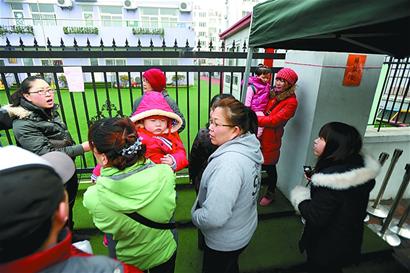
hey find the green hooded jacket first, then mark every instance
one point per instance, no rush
(148, 189)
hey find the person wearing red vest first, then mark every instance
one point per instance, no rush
(281, 107)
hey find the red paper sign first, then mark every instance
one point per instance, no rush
(354, 70)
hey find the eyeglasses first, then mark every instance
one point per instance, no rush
(213, 123)
(43, 92)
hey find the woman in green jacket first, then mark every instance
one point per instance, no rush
(132, 185)
(38, 127)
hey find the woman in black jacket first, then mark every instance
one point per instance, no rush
(38, 128)
(335, 206)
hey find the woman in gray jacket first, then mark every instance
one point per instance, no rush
(225, 209)
(38, 128)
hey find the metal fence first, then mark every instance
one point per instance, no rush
(114, 96)
(393, 106)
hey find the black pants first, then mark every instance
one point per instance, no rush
(220, 261)
(272, 178)
(72, 187)
(167, 267)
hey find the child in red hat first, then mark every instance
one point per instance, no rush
(154, 80)
(280, 109)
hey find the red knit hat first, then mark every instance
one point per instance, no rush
(156, 79)
(288, 74)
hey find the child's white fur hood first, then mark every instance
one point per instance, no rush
(352, 178)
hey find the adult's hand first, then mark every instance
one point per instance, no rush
(86, 146)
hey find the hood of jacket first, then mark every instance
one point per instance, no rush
(246, 144)
(134, 187)
(27, 109)
(258, 83)
(154, 104)
(351, 178)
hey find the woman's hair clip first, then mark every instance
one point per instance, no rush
(133, 149)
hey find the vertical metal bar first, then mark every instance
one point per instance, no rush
(77, 126)
(16, 77)
(60, 100)
(221, 83)
(388, 97)
(119, 92)
(382, 92)
(231, 84)
(176, 86)
(247, 71)
(396, 154)
(107, 94)
(130, 89)
(199, 100)
(95, 93)
(141, 84)
(398, 88)
(209, 91)
(6, 86)
(400, 192)
(404, 96)
(188, 113)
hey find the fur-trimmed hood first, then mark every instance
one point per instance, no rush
(18, 112)
(352, 178)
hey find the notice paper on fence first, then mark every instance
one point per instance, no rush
(74, 77)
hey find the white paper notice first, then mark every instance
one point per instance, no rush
(75, 80)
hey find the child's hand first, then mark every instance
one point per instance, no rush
(167, 159)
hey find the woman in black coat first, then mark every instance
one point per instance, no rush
(335, 206)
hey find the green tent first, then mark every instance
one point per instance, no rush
(373, 26)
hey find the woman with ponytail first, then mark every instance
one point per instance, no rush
(133, 199)
(225, 208)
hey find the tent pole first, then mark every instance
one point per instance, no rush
(246, 74)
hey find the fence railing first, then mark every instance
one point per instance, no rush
(110, 90)
(393, 107)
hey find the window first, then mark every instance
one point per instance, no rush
(49, 62)
(169, 61)
(18, 14)
(12, 60)
(111, 16)
(202, 24)
(202, 14)
(88, 15)
(159, 17)
(43, 14)
(1, 62)
(28, 62)
(115, 62)
(227, 78)
(153, 62)
(94, 61)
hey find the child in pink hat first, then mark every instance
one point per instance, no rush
(158, 126)
(154, 80)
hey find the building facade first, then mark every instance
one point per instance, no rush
(96, 21)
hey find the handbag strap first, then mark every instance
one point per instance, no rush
(149, 223)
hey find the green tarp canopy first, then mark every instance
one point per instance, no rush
(373, 26)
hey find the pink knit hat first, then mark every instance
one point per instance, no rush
(154, 104)
(156, 79)
(288, 74)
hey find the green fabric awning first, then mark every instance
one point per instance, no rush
(374, 26)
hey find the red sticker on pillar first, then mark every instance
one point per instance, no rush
(354, 70)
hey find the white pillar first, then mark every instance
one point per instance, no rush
(322, 98)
